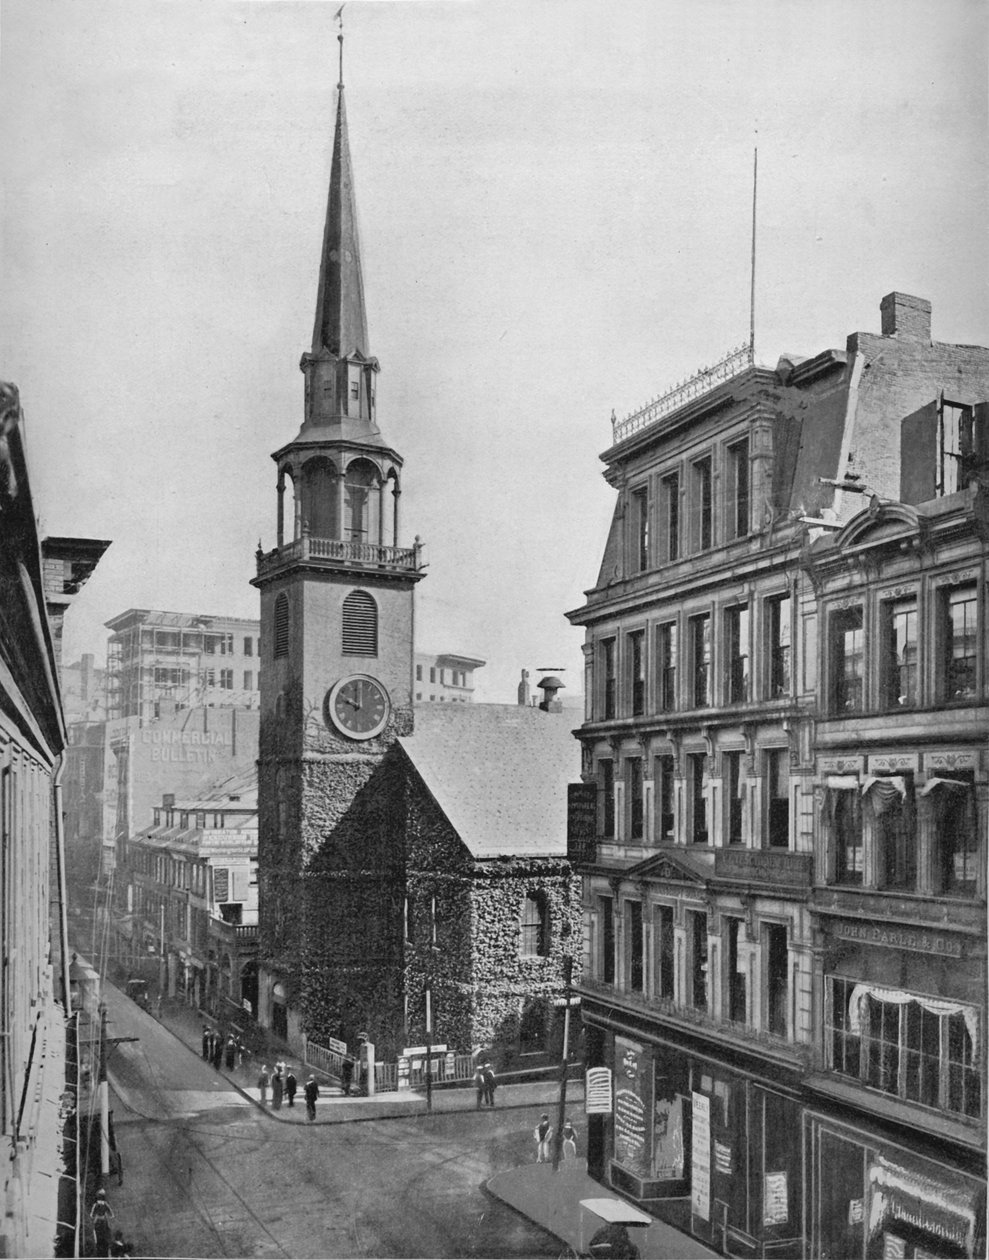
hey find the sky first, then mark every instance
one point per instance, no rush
(555, 203)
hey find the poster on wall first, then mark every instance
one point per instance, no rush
(633, 1107)
(700, 1157)
(668, 1139)
(597, 1091)
(775, 1199)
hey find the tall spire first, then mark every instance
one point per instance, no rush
(341, 321)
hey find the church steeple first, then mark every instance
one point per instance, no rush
(339, 368)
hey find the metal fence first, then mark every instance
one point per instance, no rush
(447, 1068)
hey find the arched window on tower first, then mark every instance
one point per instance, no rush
(360, 625)
(280, 635)
(360, 513)
(319, 498)
(535, 926)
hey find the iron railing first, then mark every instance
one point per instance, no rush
(374, 555)
(734, 362)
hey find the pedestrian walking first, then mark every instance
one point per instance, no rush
(291, 1085)
(277, 1088)
(346, 1074)
(217, 1050)
(543, 1132)
(569, 1140)
(480, 1085)
(101, 1214)
(311, 1092)
(230, 1053)
(241, 1052)
(264, 1076)
(490, 1082)
(207, 1042)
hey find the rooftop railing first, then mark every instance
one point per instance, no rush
(373, 555)
(735, 362)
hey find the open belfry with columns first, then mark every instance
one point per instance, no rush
(336, 667)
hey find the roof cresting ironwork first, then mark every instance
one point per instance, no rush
(733, 363)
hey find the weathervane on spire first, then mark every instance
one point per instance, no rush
(338, 18)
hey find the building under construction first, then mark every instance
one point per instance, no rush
(181, 659)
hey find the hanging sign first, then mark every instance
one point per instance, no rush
(597, 1091)
(775, 1199)
(700, 1157)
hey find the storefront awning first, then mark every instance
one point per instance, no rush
(929, 1203)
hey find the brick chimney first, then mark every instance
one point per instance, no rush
(906, 317)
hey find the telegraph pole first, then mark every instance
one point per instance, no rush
(429, 1049)
(104, 1092)
(562, 1112)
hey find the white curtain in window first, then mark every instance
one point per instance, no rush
(951, 785)
(934, 1006)
(884, 791)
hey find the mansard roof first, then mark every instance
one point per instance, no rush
(499, 773)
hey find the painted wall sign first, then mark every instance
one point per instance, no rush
(597, 1091)
(633, 1107)
(700, 1157)
(898, 938)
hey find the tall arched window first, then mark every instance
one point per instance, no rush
(360, 506)
(360, 625)
(535, 926)
(319, 498)
(280, 636)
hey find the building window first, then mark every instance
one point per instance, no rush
(248, 680)
(846, 829)
(700, 660)
(737, 645)
(249, 647)
(666, 665)
(703, 506)
(633, 778)
(669, 490)
(227, 679)
(535, 926)
(664, 779)
(696, 768)
(905, 1045)
(664, 946)
(899, 654)
(779, 645)
(637, 671)
(956, 835)
(895, 830)
(954, 445)
(606, 770)
(432, 677)
(360, 625)
(607, 905)
(211, 678)
(959, 642)
(778, 773)
(735, 996)
(608, 674)
(280, 635)
(634, 947)
(738, 488)
(735, 791)
(418, 673)
(640, 530)
(697, 944)
(776, 963)
(846, 661)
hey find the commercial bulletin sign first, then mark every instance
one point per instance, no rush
(633, 1107)
(597, 1091)
(700, 1157)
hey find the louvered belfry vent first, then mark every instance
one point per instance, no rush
(281, 625)
(360, 625)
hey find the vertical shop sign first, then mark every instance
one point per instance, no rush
(775, 1199)
(597, 1091)
(633, 1107)
(700, 1157)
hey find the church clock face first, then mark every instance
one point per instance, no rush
(358, 706)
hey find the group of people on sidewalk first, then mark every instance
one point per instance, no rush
(543, 1134)
(485, 1082)
(223, 1051)
(284, 1085)
(101, 1215)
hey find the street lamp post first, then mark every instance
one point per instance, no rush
(561, 1114)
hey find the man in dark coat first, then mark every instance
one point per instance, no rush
(346, 1074)
(217, 1049)
(291, 1085)
(207, 1043)
(311, 1092)
(489, 1084)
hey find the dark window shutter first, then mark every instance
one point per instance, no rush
(360, 625)
(281, 626)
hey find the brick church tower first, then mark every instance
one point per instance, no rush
(336, 673)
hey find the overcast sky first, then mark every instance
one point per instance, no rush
(555, 203)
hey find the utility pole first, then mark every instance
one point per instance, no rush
(429, 1049)
(562, 1111)
(104, 1092)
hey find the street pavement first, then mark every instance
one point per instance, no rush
(216, 1201)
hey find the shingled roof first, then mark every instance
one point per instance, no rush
(499, 773)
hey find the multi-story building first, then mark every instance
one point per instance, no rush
(445, 676)
(187, 659)
(704, 981)
(38, 1080)
(186, 898)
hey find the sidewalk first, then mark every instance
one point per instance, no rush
(332, 1106)
(552, 1200)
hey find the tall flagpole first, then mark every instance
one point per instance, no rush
(755, 184)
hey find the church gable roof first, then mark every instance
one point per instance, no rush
(499, 773)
